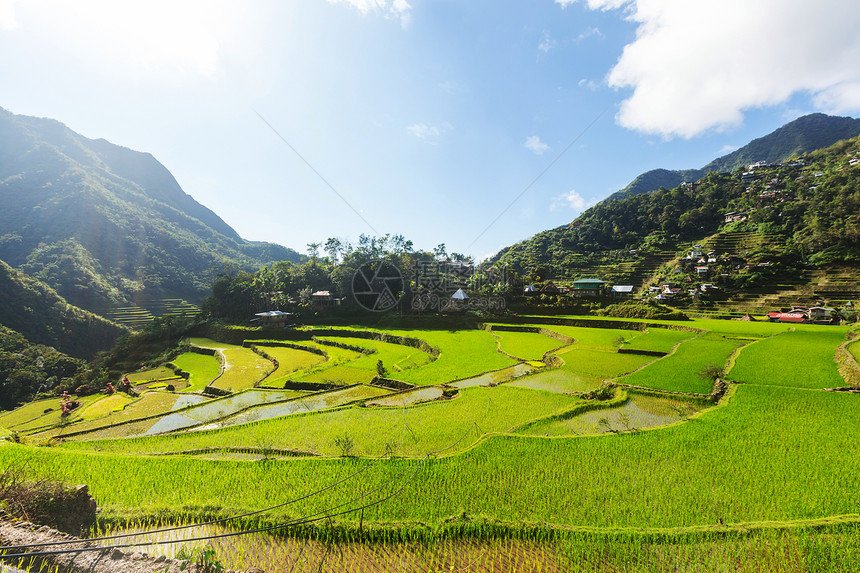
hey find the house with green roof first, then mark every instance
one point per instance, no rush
(588, 287)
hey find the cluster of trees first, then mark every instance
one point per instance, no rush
(332, 266)
(27, 369)
(32, 308)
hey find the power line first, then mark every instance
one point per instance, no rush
(536, 179)
(213, 522)
(318, 174)
(324, 514)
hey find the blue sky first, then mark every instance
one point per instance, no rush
(431, 118)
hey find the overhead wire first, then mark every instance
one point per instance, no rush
(212, 522)
(320, 515)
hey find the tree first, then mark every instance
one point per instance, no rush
(333, 247)
(314, 251)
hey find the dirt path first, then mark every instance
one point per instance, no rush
(106, 560)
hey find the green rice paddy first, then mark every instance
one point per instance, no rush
(520, 462)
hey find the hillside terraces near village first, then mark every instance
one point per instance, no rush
(141, 314)
(771, 236)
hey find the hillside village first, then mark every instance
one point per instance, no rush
(747, 266)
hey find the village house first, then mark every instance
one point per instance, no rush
(588, 287)
(322, 298)
(735, 216)
(621, 291)
(272, 318)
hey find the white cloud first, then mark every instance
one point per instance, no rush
(7, 15)
(546, 42)
(399, 10)
(698, 65)
(428, 132)
(534, 144)
(589, 33)
(589, 84)
(571, 200)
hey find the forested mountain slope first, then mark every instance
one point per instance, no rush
(105, 225)
(808, 209)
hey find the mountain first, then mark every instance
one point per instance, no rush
(35, 311)
(803, 214)
(805, 134)
(105, 225)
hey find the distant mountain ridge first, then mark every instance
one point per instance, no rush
(805, 213)
(804, 134)
(103, 224)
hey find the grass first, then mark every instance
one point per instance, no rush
(410, 431)
(683, 370)
(243, 368)
(637, 413)
(604, 338)
(803, 358)
(33, 415)
(526, 345)
(736, 487)
(202, 368)
(107, 405)
(149, 404)
(392, 355)
(463, 353)
(150, 375)
(772, 454)
(658, 340)
(605, 364)
(290, 361)
(341, 375)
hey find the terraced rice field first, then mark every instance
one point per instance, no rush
(491, 463)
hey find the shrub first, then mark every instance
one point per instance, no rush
(648, 310)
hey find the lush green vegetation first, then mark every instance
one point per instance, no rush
(803, 213)
(606, 364)
(373, 431)
(691, 368)
(771, 455)
(802, 358)
(657, 340)
(243, 368)
(290, 362)
(526, 345)
(202, 369)
(35, 310)
(26, 368)
(684, 475)
(463, 353)
(113, 224)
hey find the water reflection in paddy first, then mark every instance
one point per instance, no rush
(560, 381)
(218, 408)
(318, 401)
(496, 377)
(424, 394)
(638, 413)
